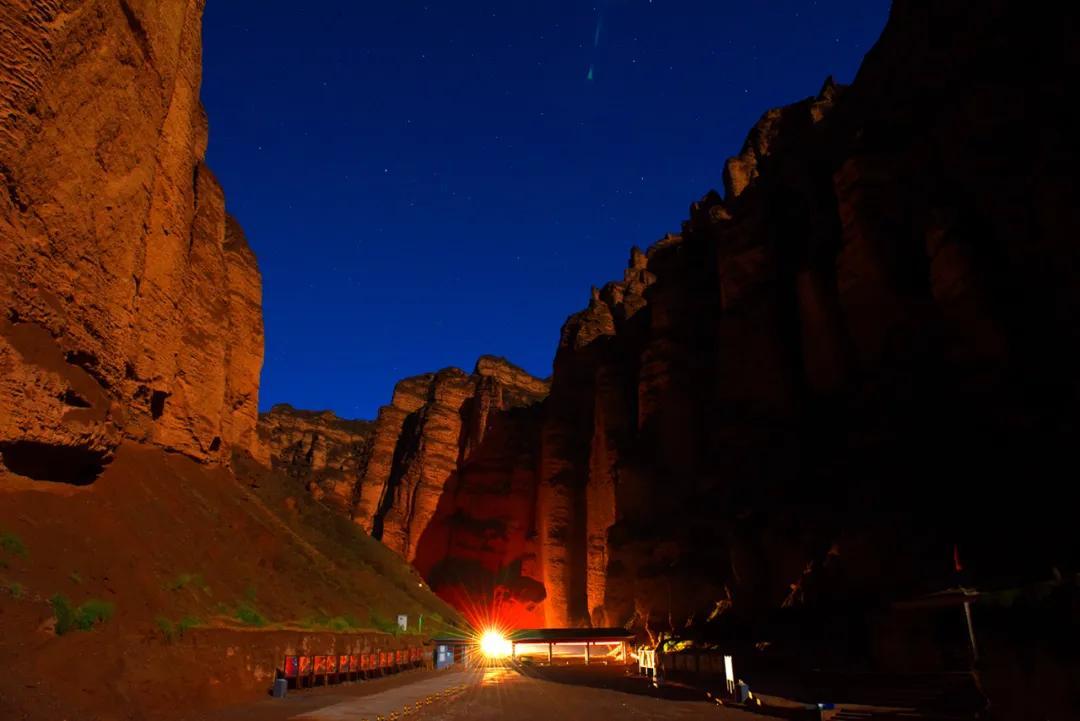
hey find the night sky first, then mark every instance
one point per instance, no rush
(426, 182)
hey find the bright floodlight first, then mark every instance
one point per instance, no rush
(494, 645)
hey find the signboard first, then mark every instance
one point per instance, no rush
(403, 622)
(729, 674)
(444, 656)
(343, 664)
(292, 666)
(305, 665)
(320, 665)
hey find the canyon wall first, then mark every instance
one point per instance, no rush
(325, 452)
(850, 378)
(445, 477)
(131, 300)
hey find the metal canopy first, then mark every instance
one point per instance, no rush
(570, 635)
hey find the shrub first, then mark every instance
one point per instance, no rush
(11, 543)
(83, 618)
(342, 623)
(187, 623)
(385, 625)
(93, 612)
(16, 589)
(172, 632)
(168, 631)
(65, 614)
(322, 620)
(188, 580)
(248, 615)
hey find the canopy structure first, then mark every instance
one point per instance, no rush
(571, 635)
(558, 645)
(572, 643)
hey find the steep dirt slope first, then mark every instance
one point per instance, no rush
(446, 477)
(168, 542)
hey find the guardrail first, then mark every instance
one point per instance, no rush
(309, 671)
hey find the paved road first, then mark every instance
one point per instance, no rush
(502, 693)
(524, 693)
(418, 700)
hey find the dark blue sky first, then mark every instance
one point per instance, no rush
(426, 182)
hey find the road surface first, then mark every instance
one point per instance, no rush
(494, 694)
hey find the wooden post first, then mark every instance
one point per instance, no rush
(587, 644)
(513, 651)
(551, 652)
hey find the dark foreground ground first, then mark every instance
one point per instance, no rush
(585, 694)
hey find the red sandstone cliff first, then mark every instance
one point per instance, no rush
(327, 453)
(131, 300)
(130, 351)
(445, 477)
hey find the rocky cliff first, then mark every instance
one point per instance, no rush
(849, 378)
(131, 300)
(130, 351)
(445, 476)
(851, 374)
(327, 453)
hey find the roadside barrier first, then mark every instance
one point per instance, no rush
(325, 670)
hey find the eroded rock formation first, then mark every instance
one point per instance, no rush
(445, 476)
(131, 300)
(840, 374)
(326, 452)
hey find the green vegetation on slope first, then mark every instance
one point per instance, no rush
(81, 618)
(11, 544)
(372, 581)
(171, 632)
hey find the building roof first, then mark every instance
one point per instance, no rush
(570, 635)
(550, 635)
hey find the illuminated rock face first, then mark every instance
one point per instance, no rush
(478, 548)
(445, 476)
(324, 451)
(131, 301)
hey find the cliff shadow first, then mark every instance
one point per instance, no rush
(53, 463)
(609, 678)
